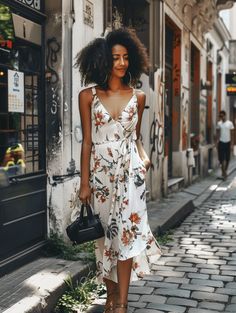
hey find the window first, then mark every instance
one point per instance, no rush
(21, 109)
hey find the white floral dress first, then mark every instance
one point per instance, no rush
(118, 185)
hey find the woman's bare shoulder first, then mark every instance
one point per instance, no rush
(86, 92)
(140, 94)
(86, 95)
(139, 91)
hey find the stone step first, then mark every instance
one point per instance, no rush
(175, 184)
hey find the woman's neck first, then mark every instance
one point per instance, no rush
(115, 84)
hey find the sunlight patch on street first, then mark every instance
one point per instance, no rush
(213, 187)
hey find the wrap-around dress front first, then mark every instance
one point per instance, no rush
(119, 192)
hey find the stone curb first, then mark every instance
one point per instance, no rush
(183, 211)
(48, 288)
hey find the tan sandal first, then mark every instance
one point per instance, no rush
(121, 306)
(109, 309)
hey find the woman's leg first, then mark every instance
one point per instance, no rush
(112, 295)
(123, 272)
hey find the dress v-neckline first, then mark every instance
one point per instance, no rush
(122, 111)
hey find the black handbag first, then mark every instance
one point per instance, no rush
(86, 227)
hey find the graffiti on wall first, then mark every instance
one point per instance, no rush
(74, 199)
(78, 133)
(203, 114)
(156, 141)
(157, 130)
(52, 97)
(176, 61)
(184, 117)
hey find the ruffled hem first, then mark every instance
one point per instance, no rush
(141, 264)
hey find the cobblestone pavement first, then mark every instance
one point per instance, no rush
(197, 271)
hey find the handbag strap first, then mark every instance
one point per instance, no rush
(89, 211)
(88, 208)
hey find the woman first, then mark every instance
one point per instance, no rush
(113, 162)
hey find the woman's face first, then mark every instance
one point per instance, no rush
(120, 61)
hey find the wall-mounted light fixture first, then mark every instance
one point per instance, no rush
(207, 85)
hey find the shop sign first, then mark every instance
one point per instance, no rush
(35, 4)
(15, 91)
(88, 13)
(231, 90)
(27, 29)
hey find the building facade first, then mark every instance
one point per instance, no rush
(229, 17)
(40, 128)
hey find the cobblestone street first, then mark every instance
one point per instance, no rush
(197, 271)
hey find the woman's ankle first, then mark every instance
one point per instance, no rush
(112, 297)
(121, 308)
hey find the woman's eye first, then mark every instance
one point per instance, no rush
(117, 58)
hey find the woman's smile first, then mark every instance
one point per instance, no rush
(122, 70)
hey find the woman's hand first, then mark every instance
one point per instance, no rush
(85, 194)
(147, 163)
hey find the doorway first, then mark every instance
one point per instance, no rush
(23, 218)
(172, 91)
(209, 135)
(195, 105)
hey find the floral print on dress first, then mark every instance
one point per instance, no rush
(119, 189)
(99, 119)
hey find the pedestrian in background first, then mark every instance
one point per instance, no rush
(113, 161)
(225, 141)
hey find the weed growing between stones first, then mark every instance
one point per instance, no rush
(80, 295)
(164, 238)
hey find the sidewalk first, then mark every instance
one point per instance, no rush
(168, 212)
(35, 287)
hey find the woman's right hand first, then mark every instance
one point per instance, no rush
(147, 163)
(85, 194)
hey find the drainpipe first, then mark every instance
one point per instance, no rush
(217, 63)
(69, 19)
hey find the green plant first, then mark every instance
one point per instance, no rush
(79, 295)
(66, 304)
(6, 26)
(56, 246)
(165, 237)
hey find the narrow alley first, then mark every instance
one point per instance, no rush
(171, 120)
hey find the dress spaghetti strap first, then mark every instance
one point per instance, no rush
(94, 91)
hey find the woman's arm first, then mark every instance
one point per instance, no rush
(85, 100)
(141, 97)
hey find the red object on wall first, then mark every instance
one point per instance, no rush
(6, 43)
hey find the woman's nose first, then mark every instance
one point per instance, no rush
(122, 61)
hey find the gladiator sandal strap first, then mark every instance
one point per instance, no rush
(109, 308)
(121, 306)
